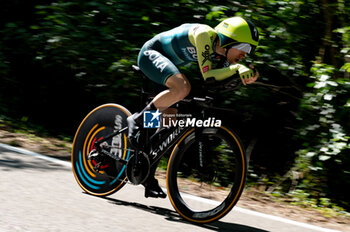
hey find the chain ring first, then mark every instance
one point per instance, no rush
(137, 172)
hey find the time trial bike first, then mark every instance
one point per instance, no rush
(207, 160)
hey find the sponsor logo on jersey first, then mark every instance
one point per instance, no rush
(205, 69)
(193, 52)
(190, 53)
(206, 54)
(158, 61)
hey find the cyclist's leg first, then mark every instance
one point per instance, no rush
(179, 88)
(155, 66)
(161, 70)
(152, 188)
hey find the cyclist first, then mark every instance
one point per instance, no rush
(159, 57)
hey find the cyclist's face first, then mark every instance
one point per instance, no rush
(234, 55)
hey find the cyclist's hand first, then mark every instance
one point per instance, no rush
(247, 74)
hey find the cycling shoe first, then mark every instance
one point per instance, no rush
(152, 189)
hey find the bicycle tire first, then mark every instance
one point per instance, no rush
(183, 161)
(99, 123)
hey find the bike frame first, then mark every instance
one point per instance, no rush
(159, 147)
(166, 142)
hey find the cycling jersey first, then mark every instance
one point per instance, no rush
(160, 56)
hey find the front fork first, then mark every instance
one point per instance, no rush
(205, 167)
(200, 146)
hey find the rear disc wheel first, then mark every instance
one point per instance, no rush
(99, 123)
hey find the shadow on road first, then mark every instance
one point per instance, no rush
(171, 215)
(10, 161)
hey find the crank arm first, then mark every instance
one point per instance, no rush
(123, 161)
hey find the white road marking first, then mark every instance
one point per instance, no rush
(188, 196)
(37, 155)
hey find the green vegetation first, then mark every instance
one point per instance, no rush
(60, 59)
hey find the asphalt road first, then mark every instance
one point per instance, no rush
(42, 195)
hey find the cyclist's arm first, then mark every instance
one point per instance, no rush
(202, 38)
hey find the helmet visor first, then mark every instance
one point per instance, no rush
(245, 47)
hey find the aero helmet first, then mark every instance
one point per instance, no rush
(238, 33)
